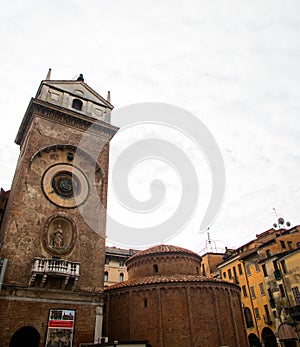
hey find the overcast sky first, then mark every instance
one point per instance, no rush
(233, 64)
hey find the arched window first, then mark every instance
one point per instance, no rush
(145, 303)
(121, 277)
(248, 317)
(77, 104)
(155, 268)
(106, 276)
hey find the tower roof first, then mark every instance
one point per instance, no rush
(71, 102)
(76, 87)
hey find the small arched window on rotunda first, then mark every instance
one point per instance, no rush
(121, 277)
(155, 268)
(77, 104)
(106, 276)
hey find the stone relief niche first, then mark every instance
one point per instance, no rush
(59, 235)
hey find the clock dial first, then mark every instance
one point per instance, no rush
(65, 185)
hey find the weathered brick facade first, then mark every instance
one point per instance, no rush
(53, 228)
(16, 313)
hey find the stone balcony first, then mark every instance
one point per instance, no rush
(47, 268)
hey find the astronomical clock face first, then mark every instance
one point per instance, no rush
(65, 185)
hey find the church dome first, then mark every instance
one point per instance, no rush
(163, 260)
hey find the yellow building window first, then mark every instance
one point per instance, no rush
(262, 289)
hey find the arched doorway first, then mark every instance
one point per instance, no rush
(268, 338)
(253, 341)
(26, 336)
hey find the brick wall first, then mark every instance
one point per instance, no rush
(17, 314)
(175, 314)
(28, 209)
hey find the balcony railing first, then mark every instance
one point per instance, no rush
(54, 267)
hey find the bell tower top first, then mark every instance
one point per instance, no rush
(75, 95)
(72, 102)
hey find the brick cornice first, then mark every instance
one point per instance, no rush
(64, 116)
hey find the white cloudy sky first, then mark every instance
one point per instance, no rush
(234, 64)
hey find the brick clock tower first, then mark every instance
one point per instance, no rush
(53, 226)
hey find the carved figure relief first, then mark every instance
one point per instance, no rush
(57, 238)
(59, 234)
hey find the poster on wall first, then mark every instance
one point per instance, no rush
(60, 328)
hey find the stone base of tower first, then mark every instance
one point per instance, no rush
(24, 316)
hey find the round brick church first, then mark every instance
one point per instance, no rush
(167, 302)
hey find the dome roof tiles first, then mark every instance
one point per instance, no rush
(163, 249)
(163, 279)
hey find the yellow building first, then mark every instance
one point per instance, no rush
(253, 266)
(115, 270)
(282, 277)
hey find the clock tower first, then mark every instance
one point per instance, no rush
(53, 227)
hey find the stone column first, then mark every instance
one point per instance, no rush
(98, 324)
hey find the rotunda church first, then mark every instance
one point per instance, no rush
(168, 303)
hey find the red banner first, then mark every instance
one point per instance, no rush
(61, 324)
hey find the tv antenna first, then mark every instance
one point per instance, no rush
(210, 245)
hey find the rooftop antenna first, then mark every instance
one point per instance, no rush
(275, 212)
(209, 241)
(281, 223)
(208, 236)
(210, 245)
